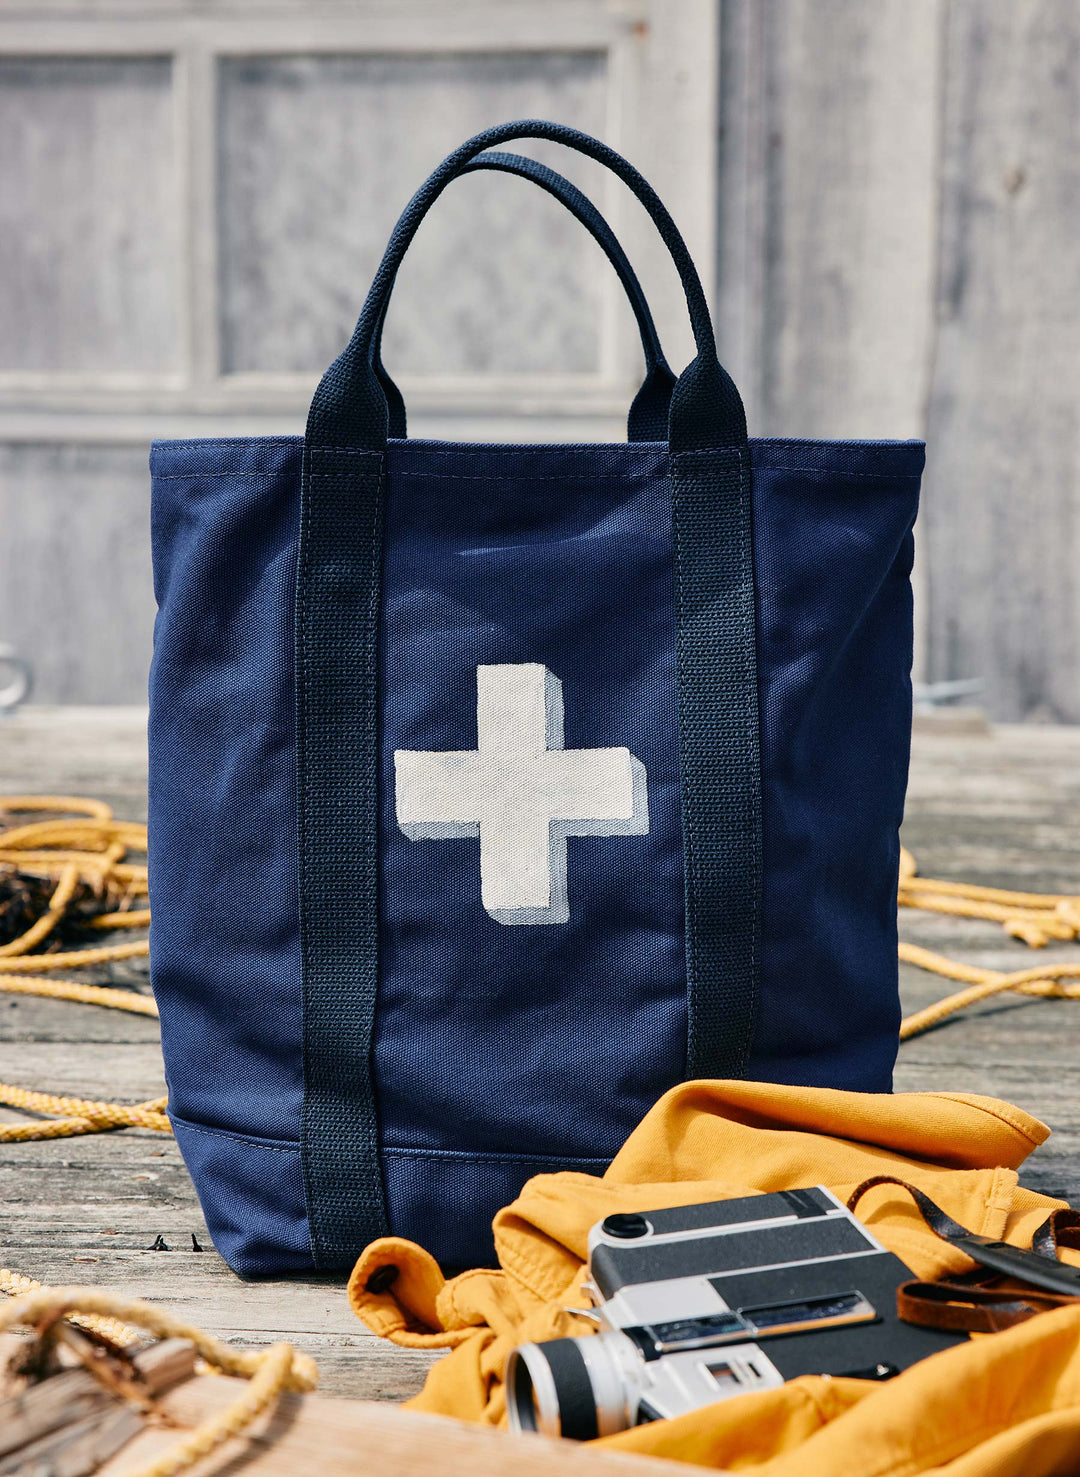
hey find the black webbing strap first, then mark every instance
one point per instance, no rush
(720, 755)
(349, 406)
(1010, 1284)
(648, 416)
(337, 625)
(337, 750)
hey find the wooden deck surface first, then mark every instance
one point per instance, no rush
(999, 808)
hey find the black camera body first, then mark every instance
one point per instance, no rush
(697, 1303)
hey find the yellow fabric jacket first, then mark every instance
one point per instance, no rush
(999, 1405)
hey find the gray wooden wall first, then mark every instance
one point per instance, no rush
(191, 201)
(900, 255)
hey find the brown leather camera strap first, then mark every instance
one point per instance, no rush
(968, 1307)
(1010, 1284)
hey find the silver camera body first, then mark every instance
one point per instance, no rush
(696, 1303)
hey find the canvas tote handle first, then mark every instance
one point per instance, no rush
(349, 407)
(337, 719)
(648, 416)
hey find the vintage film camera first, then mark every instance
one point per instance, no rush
(700, 1302)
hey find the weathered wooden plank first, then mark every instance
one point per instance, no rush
(94, 1069)
(828, 205)
(88, 216)
(45, 1406)
(338, 1438)
(68, 514)
(293, 273)
(1003, 808)
(79, 1448)
(314, 1316)
(899, 187)
(99, 751)
(31, 1018)
(64, 1189)
(1004, 428)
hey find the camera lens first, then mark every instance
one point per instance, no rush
(576, 1388)
(548, 1386)
(527, 1409)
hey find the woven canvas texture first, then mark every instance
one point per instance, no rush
(502, 1049)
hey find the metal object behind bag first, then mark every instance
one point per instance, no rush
(701, 1302)
(16, 679)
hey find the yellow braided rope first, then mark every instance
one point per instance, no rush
(52, 864)
(94, 848)
(94, 851)
(45, 848)
(81, 994)
(1048, 981)
(133, 918)
(1032, 918)
(69, 880)
(75, 958)
(77, 1115)
(270, 1372)
(15, 1285)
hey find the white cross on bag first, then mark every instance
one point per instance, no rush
(521, 792)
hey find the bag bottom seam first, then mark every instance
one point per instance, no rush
(398, 1151)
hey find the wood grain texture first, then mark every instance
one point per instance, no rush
(87, 216)
(829, 205)
(76, 589)
(897, 257)
(338, 1438)
(1003, 808)
(188, 230)
(72, 1419)
(1002, 493)
(318, 155)
(73, 750)
(898, 187)
(828, 210)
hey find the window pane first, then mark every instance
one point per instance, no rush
(87, 215)
(318, 155)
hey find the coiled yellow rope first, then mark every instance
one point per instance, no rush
(270, 1371)
(92, 847)
(1032, 918)
(94, 850)
(15, 1285)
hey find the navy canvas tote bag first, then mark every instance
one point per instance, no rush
(495, 789)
